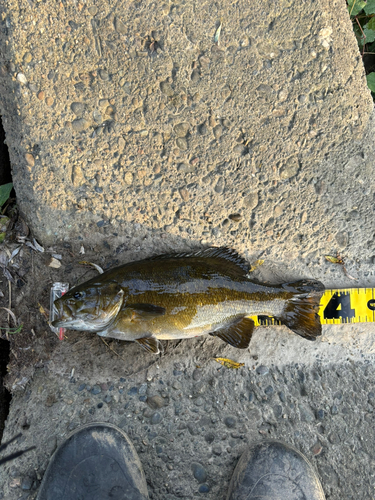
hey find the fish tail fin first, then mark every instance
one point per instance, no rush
(301, 312)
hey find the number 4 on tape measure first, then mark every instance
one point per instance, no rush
(349, 305)
(344, 305)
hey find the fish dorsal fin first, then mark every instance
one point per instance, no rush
(237, 334)
(150, 344)
(228, 255)
(144, 311)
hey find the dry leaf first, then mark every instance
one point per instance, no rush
(43, 311)
(334, 260)
(54, 263)
(86, 263)
(256, 264)
(217, 34)
(229, 363)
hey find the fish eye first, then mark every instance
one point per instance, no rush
(79, 295)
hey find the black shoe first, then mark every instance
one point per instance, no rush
(274, 471)
(96, 462)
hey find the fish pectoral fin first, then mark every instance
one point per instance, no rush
(151, 344)
(237, 334)
(145, 311)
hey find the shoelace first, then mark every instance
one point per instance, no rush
(16, 454)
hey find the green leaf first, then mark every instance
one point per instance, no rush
(369, 34)
(371, 81)
(5, 190)
(370, 7)
(355, 6)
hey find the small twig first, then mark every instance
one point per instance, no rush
(350, 13)
(111, 348)
(10, 299)
(364, 36)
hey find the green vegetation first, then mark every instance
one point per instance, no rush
(362, 15)
(5, 190)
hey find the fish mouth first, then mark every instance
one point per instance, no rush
(65, 315)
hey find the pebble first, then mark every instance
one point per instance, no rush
(317, 449)
(230, 422)
(289, 169)
(166, 89)
(320, 414)
(185, 168)
(306, 413)
(266, 89)
(239, 150)
(104, 75)
(235, 217)
(107, 398)
(142, 390)
(120, 26)
(202, 129)
(27, 58)
(199, 401)
(156, 402)
(184, 193)
(80, 124)
(156, 418)
(268, 390)
(182, 143)
(34, 88)
(132, 391)
(182, 129)
(220, 185)
(177, 385)
(217, 450)
(41, 95)
(342, 239)
(334, 410)
(96, 390)
(128, 178)
(278, 411)
(204, 488)
(199, 472)
(26, 483)
(50, 101)
(262, 370)
(195, 75)
(30, 159)
(78, 108)
(21, 78)
(209, 438)
(81, 387)
(251, 200)
(218, 132)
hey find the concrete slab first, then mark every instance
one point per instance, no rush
(123, 113)
(130, 128)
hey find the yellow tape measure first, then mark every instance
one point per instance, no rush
(344, 305)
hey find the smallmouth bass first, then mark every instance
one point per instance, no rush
(184, 295)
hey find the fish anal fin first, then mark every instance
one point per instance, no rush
(301, 315)
(144, 311)
(150, 344)
(237, 334)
